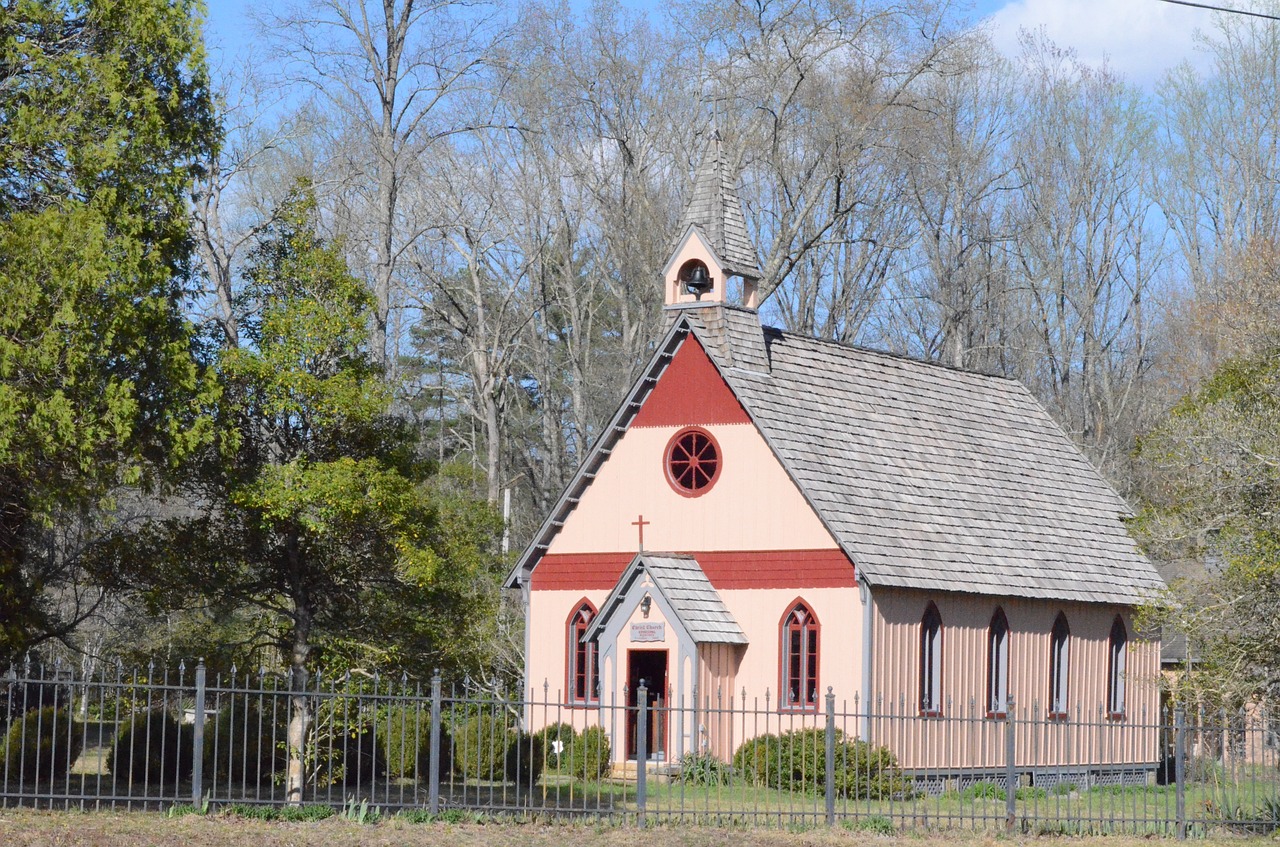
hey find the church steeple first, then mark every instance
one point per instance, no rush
(712, 242)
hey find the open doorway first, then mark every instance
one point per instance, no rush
(649, 666)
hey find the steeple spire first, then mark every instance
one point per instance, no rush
(711, 243)
(715, 209)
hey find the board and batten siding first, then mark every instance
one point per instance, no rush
(964, 736)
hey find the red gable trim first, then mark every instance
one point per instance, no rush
(725, 568)
(777, 568)
(690, 392)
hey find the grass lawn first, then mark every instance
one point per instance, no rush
(22, 828)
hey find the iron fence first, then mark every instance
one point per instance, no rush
(161, 737)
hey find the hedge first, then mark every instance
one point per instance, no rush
(152, 748)
(797, 761)
(42, 744)
(406, 742)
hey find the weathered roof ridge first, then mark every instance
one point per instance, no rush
(891, 354)
(716, 210)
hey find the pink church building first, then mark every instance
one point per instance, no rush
(776, 516)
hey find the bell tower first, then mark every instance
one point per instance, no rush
(712, 244)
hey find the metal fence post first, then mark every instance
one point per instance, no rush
(831, 757)
(642, 749)
(1180, 770)
(197, 739)
(1010, 769)
(433, 759)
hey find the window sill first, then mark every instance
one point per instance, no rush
(1059, 717)
(930, 713)
(997, 716)
(1118, 717)
(798, 709)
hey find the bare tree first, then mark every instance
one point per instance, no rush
(391, 72)
(961, 180)
(232, 196)
(810, 90)
(1087, 257)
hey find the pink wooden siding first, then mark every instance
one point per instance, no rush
(718, 666)
(1089, 736)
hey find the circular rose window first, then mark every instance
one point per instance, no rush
(693, 461)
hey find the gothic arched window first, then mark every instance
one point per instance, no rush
(799, 655)
(998, 665)
(1059, 666)
(1117, 656)
(581, 655)
(931, 662)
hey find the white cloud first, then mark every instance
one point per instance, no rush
(1141, 38)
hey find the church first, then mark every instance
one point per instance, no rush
(770, 517)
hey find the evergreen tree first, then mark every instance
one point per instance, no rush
(310, 504)
(104, 109)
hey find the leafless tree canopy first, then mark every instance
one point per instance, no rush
(507, 181)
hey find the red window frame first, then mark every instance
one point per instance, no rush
(931, 662)
(686, 458)
(1059, 667)
(799, 658)
(581, 671)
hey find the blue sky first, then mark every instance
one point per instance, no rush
(1141, 38)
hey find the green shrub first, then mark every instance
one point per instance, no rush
(865, 772)
(557, 741)
(242, 746)
(703, 769)
(797, 761)
(524, 759)
(406, 743)
(757, 760)
(589, 757)
(152, 748)
(42, 744)
(489, 747)
(480, 746)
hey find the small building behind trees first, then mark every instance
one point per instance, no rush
(769, 518)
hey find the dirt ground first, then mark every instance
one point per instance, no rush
(20, 828)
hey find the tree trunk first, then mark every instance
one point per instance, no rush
(299, 709)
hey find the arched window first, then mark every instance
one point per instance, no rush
(1059, 666)
(998, 665)
(931, 662)
(581, 665)
(799, 655)
(1117, 654)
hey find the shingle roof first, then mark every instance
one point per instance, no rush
(680, 580)
(714, 208)
(928, 476)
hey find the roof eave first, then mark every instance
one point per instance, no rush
(617, 425)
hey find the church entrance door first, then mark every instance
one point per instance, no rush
(651, 667)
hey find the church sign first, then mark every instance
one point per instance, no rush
(648, 632)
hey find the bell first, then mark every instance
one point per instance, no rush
(698, 282)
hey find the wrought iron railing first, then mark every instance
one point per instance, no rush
(161, 737)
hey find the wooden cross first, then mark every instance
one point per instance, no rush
(641, 523)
